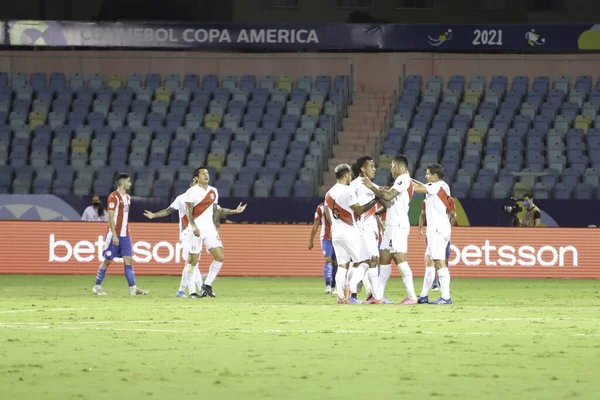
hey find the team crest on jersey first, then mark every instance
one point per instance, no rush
(212, 196)
(111, 205)
(109, 253)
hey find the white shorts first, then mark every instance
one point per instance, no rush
(371, 242)
(195, 243)
(395, 239)
(350, 248)
(436, 245)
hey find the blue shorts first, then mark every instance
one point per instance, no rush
(122, 250)
(327, 248)
(447, 249)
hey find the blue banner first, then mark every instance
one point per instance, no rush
(539, 38)
(554, 213)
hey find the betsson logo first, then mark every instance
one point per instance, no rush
(86, 251)
(509, 256)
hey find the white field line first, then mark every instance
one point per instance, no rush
(283, 331)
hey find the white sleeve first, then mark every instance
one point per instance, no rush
(352, 198)
(175, 204)
(431, 188)
(401, 184)
(189, 196)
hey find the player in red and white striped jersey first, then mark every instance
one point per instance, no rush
(439, 229)
(117, 240)
(201, 219)
(326, 246)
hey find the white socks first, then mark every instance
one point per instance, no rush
(184, 279)
(357, 275)
(385, 271)
(190, 271)
(428, 280)
(444, 275)
(407, 279)
(340, 281)
(367, 283)
(373, 275)
(213, 271)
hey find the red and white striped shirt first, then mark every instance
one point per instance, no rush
(120, 205)
(325, 227)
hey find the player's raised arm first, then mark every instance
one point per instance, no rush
(159, 214)
(419, 187)
(224, 212)
(452, 212)
(386, 195)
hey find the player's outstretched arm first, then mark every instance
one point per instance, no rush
(159, 214)
(224, 212)
(381, 193)
(419, 187)
(360, 210)
(421, 222)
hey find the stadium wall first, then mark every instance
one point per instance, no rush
(373, 72)
(281, 250)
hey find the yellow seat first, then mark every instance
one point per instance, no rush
(79, 143)
(36, 119)
(216, 157)
(213, 118)
(475, 135)
(212, 125)
(163, 93)
(216, 164)
(472, 99)
(114, 81)
(79, 149)
(521, 188)
(385, 161)
(472, 92)
(582, 122)
(313, 108)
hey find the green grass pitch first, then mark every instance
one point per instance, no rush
(282, 338)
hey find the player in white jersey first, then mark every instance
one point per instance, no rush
(367, 224)
(439, 229)
(201, 204)
(342, 210)
(179, 205)
(394, 244)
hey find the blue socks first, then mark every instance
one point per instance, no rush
(130, 275)
(328, 273)
(100, 275)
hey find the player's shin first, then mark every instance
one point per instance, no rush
(327, 273)
(213, 271)
(385, 271)
(198, 276)
(357, 275)
(130, 275)
(100, 274)
(407, 279)
(184, 281)
(340, 280)
(428, 280)
(444, 275)
(189, 271)
(373, 277)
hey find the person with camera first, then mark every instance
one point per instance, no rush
(532, 216)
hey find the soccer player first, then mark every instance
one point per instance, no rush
(397, 227)
(179, 205)
(367, 224)
(341, 207)
(428, 261)
(201, 205)
(326, 246)
(439, 229)
(117, 240)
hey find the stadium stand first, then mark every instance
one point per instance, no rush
(497, 138)
(260, 136)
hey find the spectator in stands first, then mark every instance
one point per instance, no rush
(532, 215)
(95, 212)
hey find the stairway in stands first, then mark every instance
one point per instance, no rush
(361, 133)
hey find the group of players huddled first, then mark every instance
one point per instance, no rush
(199, 224)
(364, 227)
